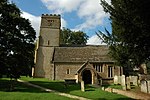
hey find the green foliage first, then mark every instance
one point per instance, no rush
(69, 37)
(16, 41)
(129, 40)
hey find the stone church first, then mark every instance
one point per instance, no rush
(71, 63)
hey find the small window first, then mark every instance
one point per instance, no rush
(68, 71)
(101, 68)
(48, 42)
(110, 71)
(98, 67)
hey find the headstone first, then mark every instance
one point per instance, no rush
(82, 86)
(32, 71)
(123, 82)
(144, 87)
(76, 77)
(148, 84)
(119, 79)
(134, 80)
(128, 83)
(115, 79)
(103, 88)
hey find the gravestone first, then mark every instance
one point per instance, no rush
(82, 86)
(144, 87)
(103, 88)
(115, 79)
(123, 82)
(128, 83)
(148, 84)
(134, 80)
(32, 71)
(119, 79)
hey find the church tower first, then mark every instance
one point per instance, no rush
(48, 40)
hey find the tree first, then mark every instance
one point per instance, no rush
(129, 40)
(16, 41)
(69, 37)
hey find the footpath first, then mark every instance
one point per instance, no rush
(131, 94)
(56, 92)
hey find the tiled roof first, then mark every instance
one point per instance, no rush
(82, 54)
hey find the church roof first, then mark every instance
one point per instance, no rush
(82, 54)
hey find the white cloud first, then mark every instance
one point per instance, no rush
(95, 40)
(89, 10)
(61, 6)
(63, 23)
(35, 21)
(93, 14)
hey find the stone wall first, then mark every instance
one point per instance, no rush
(104, 73)
(61, 70)
(49, 37)
(43, 66)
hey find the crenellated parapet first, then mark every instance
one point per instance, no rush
(51, 15)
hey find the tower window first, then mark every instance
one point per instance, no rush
(68, 71)
(48, 42)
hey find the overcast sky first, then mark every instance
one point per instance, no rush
(85, 15)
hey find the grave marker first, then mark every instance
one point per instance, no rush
(82, 86)
(128, 83)
(123, 82)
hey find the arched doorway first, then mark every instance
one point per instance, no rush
(87, 77)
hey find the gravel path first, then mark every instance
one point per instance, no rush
(134, 95)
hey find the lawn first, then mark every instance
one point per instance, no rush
(90, 92)
(24, 92)
(115, 86)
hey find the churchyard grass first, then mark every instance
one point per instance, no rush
(24, 92)
(90, 91)
(115, 86)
